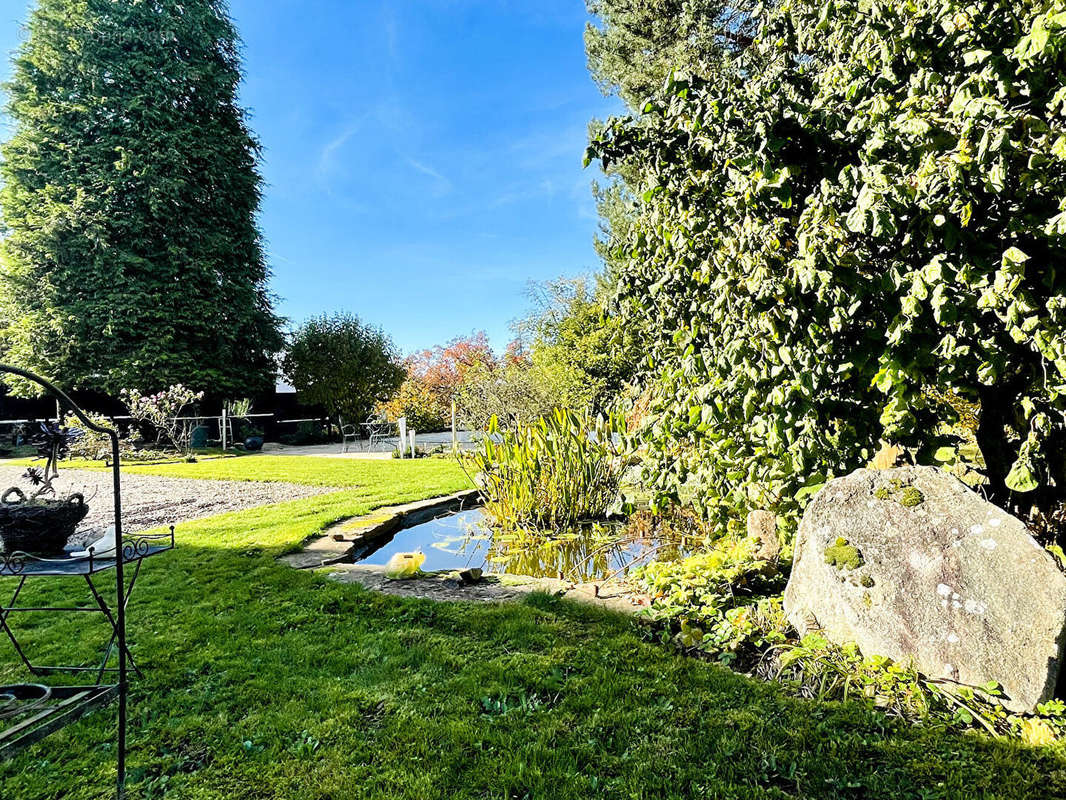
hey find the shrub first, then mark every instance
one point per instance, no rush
(93, 446)
(517, 391)
(163, 411)
(342, 364)
(424, 409)
(90, 445)
(571, 334)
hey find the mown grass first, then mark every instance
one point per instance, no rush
(371, 475)
(266, 682)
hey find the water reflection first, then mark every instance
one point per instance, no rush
(590, 553)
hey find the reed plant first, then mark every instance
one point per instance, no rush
(558, 472)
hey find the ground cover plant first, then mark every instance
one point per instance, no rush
(267, 682)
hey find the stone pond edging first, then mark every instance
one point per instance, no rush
(340, 541)
(335, 548)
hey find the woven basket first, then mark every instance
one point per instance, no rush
(39, 527)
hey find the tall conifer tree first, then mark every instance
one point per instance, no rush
(131, 253)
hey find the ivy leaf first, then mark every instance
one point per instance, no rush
(1021, 477)
(975, 57)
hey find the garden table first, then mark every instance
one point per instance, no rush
(22, 567)
(31, 711)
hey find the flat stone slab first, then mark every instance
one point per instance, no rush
(492, 588)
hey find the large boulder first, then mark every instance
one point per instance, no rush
(911, 564)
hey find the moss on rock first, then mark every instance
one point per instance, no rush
(843, 555)
(912, 496)
(908, 496)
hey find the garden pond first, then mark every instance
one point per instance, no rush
(465, 539)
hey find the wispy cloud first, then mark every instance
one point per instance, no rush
(327, 158)
(392, 31)
(521, 193)
(443, 185)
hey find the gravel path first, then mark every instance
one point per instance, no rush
(149, 501)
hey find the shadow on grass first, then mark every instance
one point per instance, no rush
(265, 682)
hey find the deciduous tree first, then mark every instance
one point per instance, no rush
(433, 378)
(342, 364)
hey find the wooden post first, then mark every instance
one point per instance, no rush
(401, 445)
(224, 431)
(455, 432)
(414, 454)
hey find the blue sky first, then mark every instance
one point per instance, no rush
(422, 158)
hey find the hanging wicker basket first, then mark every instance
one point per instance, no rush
(36, 526)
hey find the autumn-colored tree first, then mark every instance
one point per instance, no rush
(433, 377)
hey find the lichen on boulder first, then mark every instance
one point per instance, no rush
(911, 497)
(911, 564)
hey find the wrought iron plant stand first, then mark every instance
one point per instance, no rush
(31, 711)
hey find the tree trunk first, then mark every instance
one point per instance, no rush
(997, 413)
(993, 437)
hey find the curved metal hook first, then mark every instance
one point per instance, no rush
(62, 396)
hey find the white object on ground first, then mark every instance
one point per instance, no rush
(102, 547)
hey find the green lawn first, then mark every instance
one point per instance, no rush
(265, 682)
(378, 476)
(372, 474)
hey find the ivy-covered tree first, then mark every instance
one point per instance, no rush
(342, 364)
(131, 256)
(634, 45)
(829, 245)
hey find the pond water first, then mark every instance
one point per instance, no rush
(464, 539)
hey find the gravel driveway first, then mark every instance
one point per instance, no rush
(149, 501)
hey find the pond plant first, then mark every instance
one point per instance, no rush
(558, 472)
